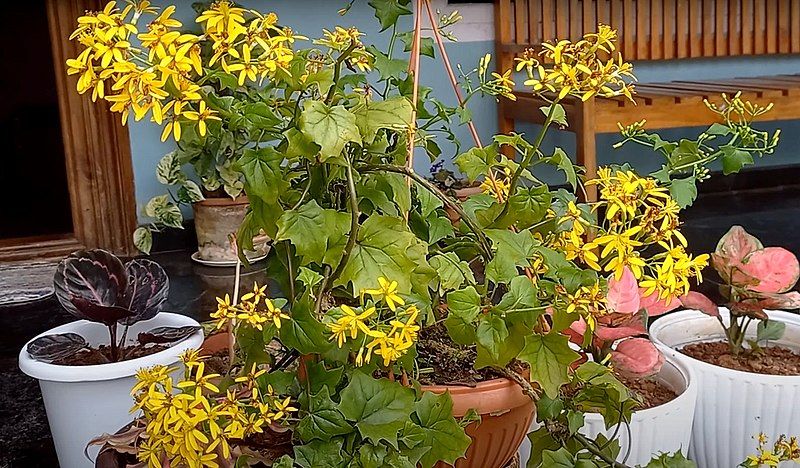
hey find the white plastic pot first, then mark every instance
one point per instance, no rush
(83, 402)
(733, 406)
(664, 428)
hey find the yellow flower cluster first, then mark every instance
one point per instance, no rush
(163, 77)
(785, 449)
(191, 423)
(386, 328)
(578, 68)
(638, 228)
(341, 40)
(249, 310)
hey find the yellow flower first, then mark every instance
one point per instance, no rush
(620, 242)
(246, 68)
(275, 313)
(201, 116)
(387, 292)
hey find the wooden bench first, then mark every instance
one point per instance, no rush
(653, 30)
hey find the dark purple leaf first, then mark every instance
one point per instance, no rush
(52, 347)
(146, 291)
(88, 281)
(162, 335)
(107, 315)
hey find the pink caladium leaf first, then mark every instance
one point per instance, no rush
(789, 300)
(637, 358)
(732, 248)
(775, 270)
(633, 325)
(701, 302)
(655, 306)
(623, 294)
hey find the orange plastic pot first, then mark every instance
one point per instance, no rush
(506, 415)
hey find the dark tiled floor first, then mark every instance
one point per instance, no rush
(773, 216)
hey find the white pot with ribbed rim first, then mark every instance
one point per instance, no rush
(664, 428)
(83, 402)
(733, 406)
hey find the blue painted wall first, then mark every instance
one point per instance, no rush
(308, 17)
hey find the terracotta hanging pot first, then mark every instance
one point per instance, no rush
(215, 219)
(506, 415)
(461, 194)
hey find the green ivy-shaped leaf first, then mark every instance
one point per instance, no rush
(329, 127)
(388, 11)
(393, 113)
(549, 357)
(317, 233)
(440, 431)
(464, 307)
(323, 420)
(378, 407)
(262, 173)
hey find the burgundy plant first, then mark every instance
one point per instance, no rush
(95, 285)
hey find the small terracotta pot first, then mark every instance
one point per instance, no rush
(215, 219)
(506, 414)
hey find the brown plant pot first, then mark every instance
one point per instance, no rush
(215, 219)
(506, 415)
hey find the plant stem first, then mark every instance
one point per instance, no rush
(337, 70)
(590, 446)
(355, 213)
(112, 331)
(322, 285)
(482, 241)
(526, 161)
(291, 270)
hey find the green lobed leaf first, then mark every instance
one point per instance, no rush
(388, 11)
(323, 420)
(734, 159)
(549, 357)
(464, 307)
(683, 191)
(559, 115)
(393, 113)
(262, 173)
(476, 162)
(303, 331)
(440, 431)
(452, 271)
(318, 454)
(329, 127)
(317, 233)
(378, 407)
(385, 247)
(491, 335)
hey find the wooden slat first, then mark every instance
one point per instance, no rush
(656, 29)
(746, 28)
(760, 18)
(589, 16)
(795, 22)
(629, 30)
(534, 21)
(575, 16)
(682, 29)
(562, 19)
(604, 12)
(520, 25)
(668, 30)
(784, 15)
(643, 37)
(754, 84)
(734, 27)
(696, 27)
(720, 26)
(772, 26)
(548, 25)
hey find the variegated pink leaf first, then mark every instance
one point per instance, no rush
(775, 269)
(655, 306)
(632, 326)
(789, 300)
(623, 294)
(637, 358)
(732, 248)
(701, 302)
